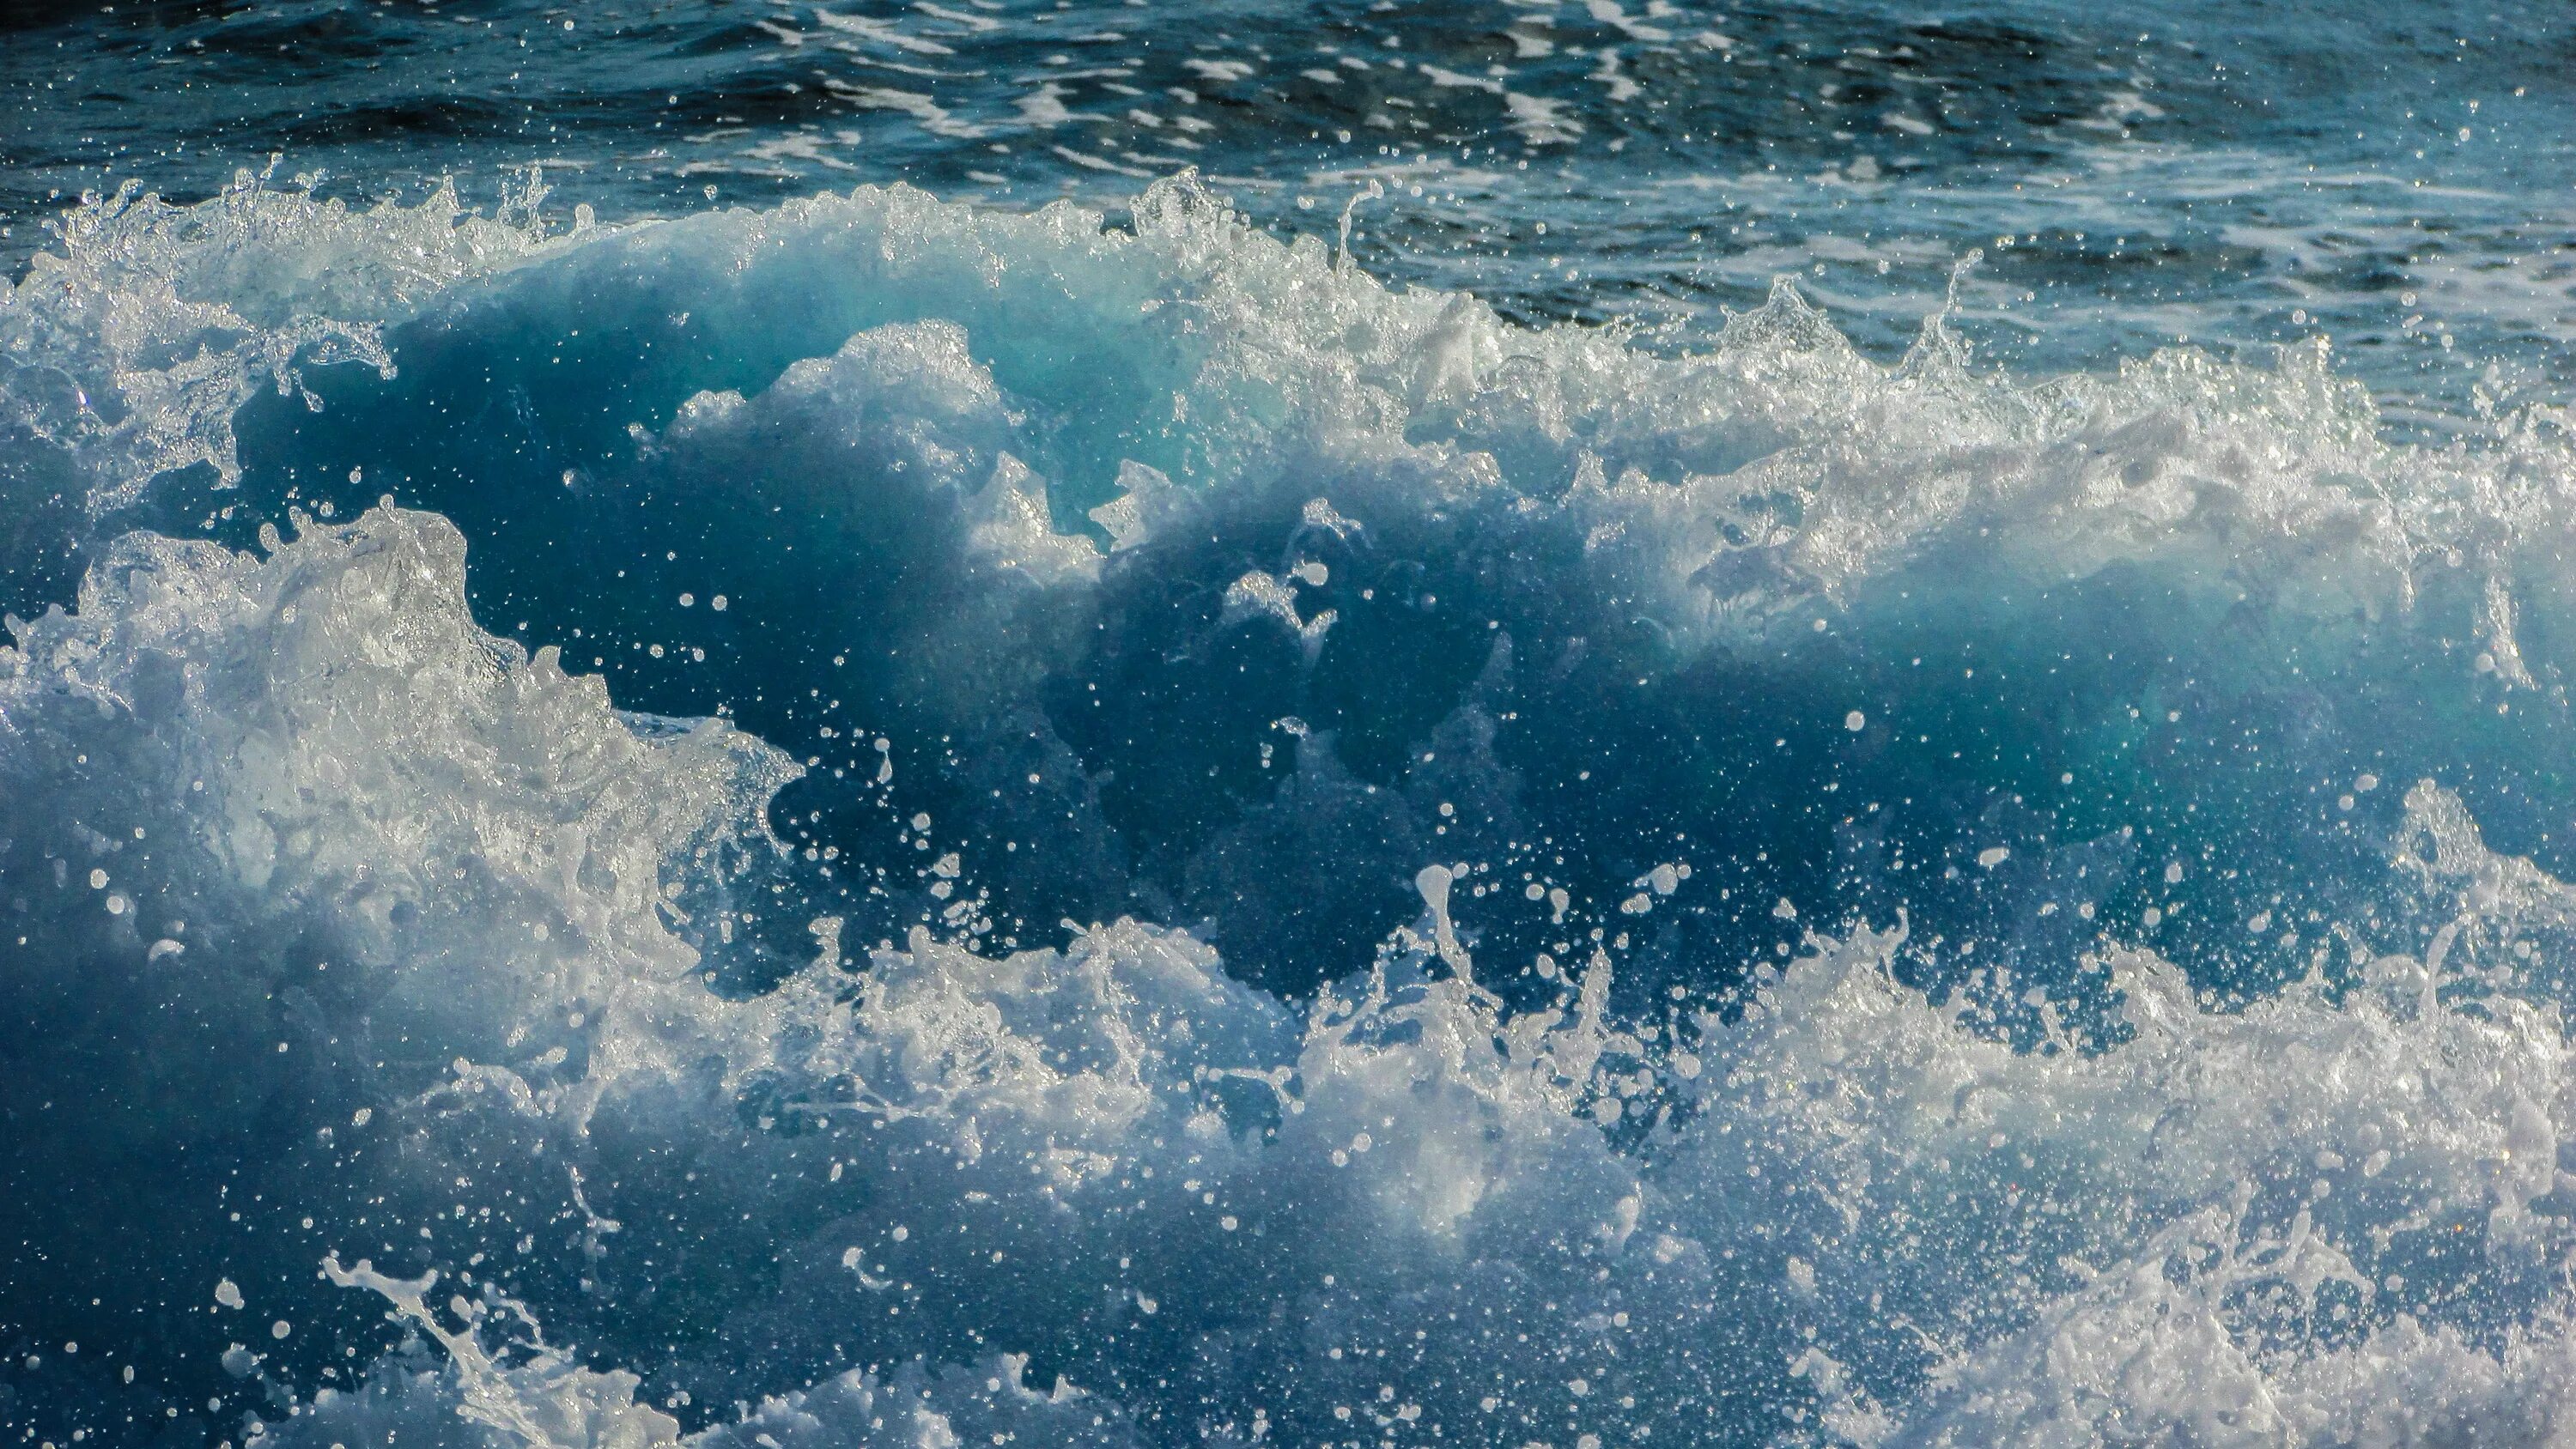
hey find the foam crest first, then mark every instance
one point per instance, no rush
(1523, 524)
(2219, 1225)
(533, 1397)
(131, 346)
(344, 844)
(1480, 754)
(2234, 1226)
(1240, 355)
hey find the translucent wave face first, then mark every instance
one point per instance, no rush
(1360, 556)
(125, 353)
(1731, 898)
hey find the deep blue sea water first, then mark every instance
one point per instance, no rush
(1146, 724)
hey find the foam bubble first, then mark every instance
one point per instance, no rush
(1977, 1135)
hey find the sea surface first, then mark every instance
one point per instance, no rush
(784, 726)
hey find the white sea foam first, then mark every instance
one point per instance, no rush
(446, 933)
(132, 345)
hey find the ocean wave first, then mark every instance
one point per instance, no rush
(1745, 896)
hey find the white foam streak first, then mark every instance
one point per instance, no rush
(2334, 1215)
(132, 346)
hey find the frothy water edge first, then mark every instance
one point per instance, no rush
(453, 966)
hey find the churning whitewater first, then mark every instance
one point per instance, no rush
(891, 822)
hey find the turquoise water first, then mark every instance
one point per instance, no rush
(1132, 725)
(2136, 174)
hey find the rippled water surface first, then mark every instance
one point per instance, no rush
(2135, 174)
(789, 726)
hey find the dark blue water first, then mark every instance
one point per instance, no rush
(1137, 725)
(2135, 174)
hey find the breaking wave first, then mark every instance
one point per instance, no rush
(886, 822)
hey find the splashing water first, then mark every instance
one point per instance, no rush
(915, 823)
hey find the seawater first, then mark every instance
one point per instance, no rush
(2135, 173)
(1243, 807)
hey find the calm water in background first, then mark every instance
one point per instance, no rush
(1561, 723)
